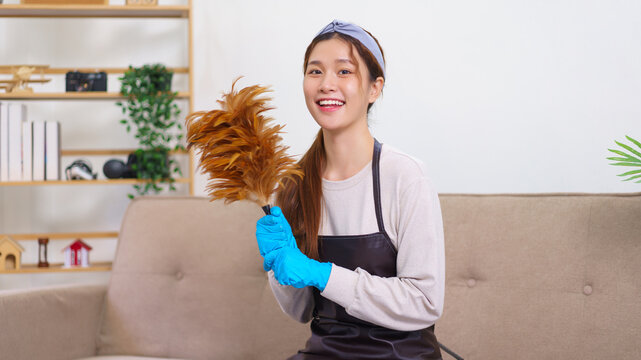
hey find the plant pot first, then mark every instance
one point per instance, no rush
(145, 164)
(162, 82)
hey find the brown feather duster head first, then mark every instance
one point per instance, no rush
(240, 151)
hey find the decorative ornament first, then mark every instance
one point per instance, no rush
(19, 84)
(42, 252)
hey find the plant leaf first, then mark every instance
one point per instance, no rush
(618, 159)
(629, 149)
(626, 164)
(632, 178)
(631, 173)
(631, 158)
(634, 141)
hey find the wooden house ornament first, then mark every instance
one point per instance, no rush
(77, 254)
(10, 254)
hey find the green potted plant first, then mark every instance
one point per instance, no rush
(153, 115)
(630, 158)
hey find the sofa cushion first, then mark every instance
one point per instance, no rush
(187, 282)
(542, 276)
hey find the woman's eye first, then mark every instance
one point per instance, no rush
(314, 72)
(345, 72)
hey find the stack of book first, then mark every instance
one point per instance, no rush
(29, 150)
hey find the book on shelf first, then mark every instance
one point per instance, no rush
(27, 151)
(52, 150)
(38, 151)
(4, 141)
(17, 115)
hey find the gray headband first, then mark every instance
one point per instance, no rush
(359, 34)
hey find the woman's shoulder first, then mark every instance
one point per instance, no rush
(395, 161)
(405, 176)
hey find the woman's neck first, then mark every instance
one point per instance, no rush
(346, 153)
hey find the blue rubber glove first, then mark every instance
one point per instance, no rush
(272, 234)
(292, 267)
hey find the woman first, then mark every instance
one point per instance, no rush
(370, 270)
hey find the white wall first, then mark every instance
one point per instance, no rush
(495, 96)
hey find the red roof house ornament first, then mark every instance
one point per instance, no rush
(77, 254)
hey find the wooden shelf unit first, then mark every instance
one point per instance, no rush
(80, 95)
(7, 69)
(66, 236)
(96, 11)
(110, 152)
(93, 11)
(34, 269)
(86, 182)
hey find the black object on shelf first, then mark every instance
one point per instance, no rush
(117, 169)
(79, 81)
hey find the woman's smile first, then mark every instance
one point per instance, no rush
(330, 105)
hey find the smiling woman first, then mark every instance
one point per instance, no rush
(334, 81)
(357, 247)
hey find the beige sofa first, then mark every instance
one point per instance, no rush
(528, 277)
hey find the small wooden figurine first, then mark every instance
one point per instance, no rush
(10, 254)
(77, 254)
(22, 77)
(42, 252)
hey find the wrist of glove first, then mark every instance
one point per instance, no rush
(273, 233)
(277, 245)
(292, 267)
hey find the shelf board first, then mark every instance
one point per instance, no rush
(107, 152)
(82, 95)
(64, 236)
(8, 69)
(97, 11)
(33, 268)
(85, 182)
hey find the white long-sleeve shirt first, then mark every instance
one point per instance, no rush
(412, 219)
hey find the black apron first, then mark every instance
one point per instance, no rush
(338, 335)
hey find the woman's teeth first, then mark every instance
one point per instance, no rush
(331, 102)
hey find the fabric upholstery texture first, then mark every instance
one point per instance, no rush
(528, 276)
(553, 276)
(52, 323)
(188, 282)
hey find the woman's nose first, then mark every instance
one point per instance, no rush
(328, 84)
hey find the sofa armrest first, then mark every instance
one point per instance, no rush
(53, 323)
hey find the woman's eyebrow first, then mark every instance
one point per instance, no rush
(349, 61)
(318, 62)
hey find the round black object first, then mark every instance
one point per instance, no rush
(114, 169)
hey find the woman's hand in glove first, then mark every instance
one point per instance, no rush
(272, 234)
(292, 267)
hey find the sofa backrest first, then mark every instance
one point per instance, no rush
(546, 276)
(549, 276)
(187, 282)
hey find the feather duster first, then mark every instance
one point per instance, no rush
(239, 149)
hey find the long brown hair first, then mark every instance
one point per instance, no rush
(301, 200)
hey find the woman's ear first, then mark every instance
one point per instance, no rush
(375, 89)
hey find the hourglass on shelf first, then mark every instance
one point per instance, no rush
(42, 252)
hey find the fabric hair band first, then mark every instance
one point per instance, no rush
(357, 33)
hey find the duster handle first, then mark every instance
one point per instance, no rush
(266, 209)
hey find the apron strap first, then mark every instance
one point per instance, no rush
(376, 176)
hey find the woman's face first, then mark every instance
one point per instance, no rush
(335, 95)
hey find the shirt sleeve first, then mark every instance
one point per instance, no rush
(297, 303)
(413, 299)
